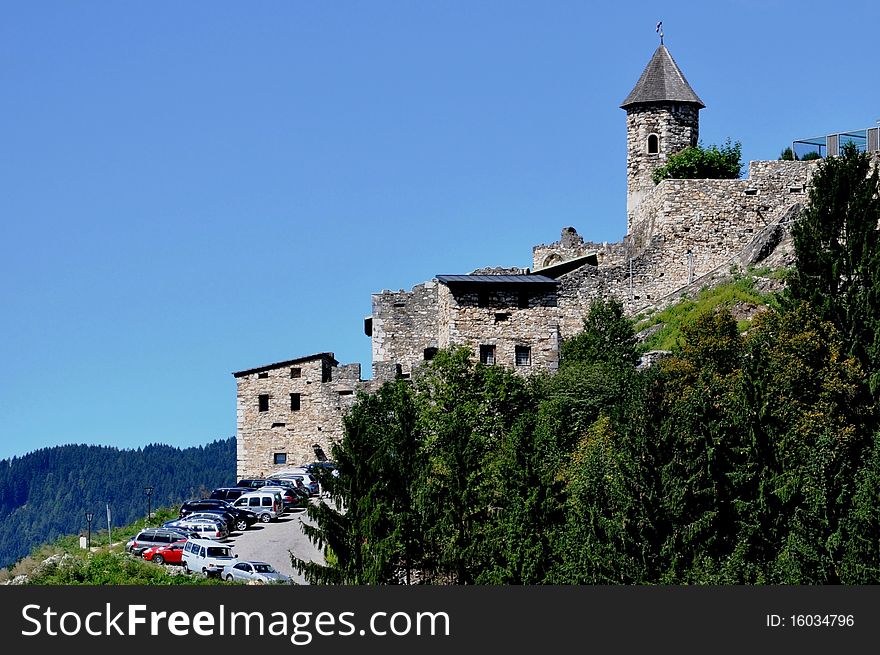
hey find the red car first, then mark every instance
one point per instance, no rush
(171, 554)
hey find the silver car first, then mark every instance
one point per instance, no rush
(254, 572)
(206, 528)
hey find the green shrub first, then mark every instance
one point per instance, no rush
(811, 156)
(788, 155)
(696, 162)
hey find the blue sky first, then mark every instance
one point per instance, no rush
(190, 189)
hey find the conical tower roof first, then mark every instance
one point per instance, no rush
(661, 81)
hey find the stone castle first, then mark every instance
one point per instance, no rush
(680, 235)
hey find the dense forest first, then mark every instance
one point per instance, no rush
(47, 493)
(747, 456)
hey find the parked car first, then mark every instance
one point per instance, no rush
(219, 514)
(229, 493)
(191, 506)
(266, 505)
(205, 528)
(320, 471)
(258, 572)
(307, 481)
(318, 468)
(170, 554)
(207, 557)
(252, 483)
(241, 519)
(164, 536)
(209, 516)
(290, 498)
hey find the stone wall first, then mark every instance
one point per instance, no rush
(503, 324)
(281, 429)
(404, 325)
(685, 230)
(571, 246)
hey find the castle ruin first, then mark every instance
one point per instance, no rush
(679, 234)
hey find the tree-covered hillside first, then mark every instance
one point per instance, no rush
(47, 493)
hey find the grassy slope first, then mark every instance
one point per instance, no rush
(103, 566)
(740, 291)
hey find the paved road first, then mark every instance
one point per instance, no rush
(272, 543)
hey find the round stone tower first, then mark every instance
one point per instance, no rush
(662, 117)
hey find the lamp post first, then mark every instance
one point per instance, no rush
(89, 517)
(149, 492)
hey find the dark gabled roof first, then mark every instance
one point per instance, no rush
(496, 279)
(299, 360)
(562, 268)
(661, 81)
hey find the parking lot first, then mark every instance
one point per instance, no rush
(270, 542)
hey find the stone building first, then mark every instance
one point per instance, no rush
(681, 234)
(291, 412)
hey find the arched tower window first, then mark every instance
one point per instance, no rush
(551, 259)
(653, 144)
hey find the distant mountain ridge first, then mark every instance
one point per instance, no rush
(47, 493)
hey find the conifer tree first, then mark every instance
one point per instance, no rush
(838, 253)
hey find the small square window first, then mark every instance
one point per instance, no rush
(296, 372)
(500, 317)
(281, 458)
(294, 402)
(523, 356)
(487, 354)
(263, 375)
(430, 353)
(263, 402)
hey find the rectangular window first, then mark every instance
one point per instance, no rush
(430, 353)
(326, 373)
(296, 372)
(500, 317)
(523, 299)
(280, 458)
(345, 392)
(483, 299)
(523, 356)
(487, 354)
(294, 402)
(263, 376)
(263, 402)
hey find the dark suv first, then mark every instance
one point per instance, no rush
(240, 519)
(229, 493)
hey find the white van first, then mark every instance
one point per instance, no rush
(267, 505)
(206, 557)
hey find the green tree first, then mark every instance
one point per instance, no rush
(468, 411)
(370, 533)
(838, 254)
(696, 162)
(608, 337)
(807, 413)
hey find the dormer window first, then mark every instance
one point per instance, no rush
(653, 144)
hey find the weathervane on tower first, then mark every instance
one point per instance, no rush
(659, 31)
